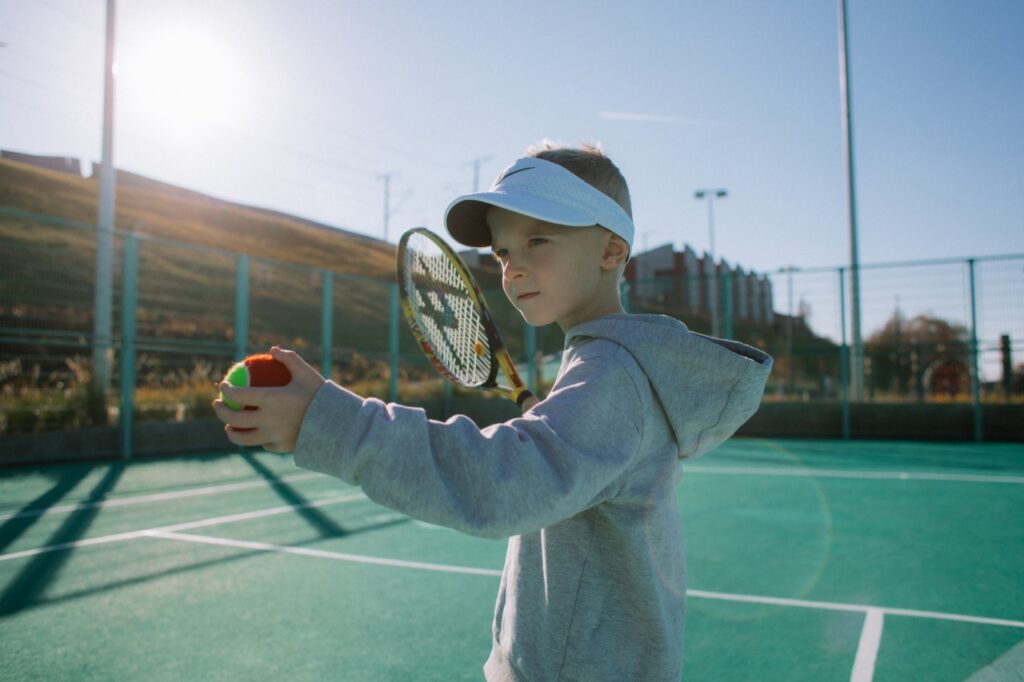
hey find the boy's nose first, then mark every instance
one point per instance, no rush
(513, 269)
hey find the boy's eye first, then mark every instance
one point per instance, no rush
(498, 255)
(538, 240)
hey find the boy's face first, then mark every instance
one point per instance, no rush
(553, 273)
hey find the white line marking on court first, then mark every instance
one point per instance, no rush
(861, 608)
(171, 532)
(231, 518)
(867, 649)
(158, 497)
(840, 473)
(873, 613)
(321, 554)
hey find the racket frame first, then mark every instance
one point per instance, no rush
(499, 355)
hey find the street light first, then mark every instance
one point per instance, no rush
(710, 195)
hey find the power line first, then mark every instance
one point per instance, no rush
(49, 64)
(82, 21)
(48, 112)
(49, 86)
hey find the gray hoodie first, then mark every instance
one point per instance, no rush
(584, 486)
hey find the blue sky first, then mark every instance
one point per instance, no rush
(302, 106)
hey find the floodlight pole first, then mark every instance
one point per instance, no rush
(710, 194)
(857, 356)
(103, 290)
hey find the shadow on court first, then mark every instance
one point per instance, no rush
(195, 566)
(26, 590)
(319, 521)
(14, 527)
(34, 577)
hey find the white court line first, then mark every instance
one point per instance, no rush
(321, 554)
(700, 594)
(231, 518)
(841, 473)
(861, 608)
(867, 649)
(158, 497)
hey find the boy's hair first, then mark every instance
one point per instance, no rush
(589, 163)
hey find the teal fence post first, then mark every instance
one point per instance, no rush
(530, 349)
(726, 304)
(241, 306)
(844, 358)
(447, 404)
(129, 302)
(975, 378)
(393, 345)
(326, 322)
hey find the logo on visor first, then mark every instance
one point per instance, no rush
(507, 175)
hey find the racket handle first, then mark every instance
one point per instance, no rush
(526, 400)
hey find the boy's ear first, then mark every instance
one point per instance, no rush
(616, 251)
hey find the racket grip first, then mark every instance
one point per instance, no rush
(526, 400)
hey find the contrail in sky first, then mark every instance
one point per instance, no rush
(658, 118)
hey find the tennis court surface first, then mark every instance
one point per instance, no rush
(807, 560)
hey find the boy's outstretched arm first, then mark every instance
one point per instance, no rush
(276, 421)
(567, 454)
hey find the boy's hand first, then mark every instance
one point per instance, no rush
(276, 421)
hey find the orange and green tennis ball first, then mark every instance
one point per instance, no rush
(256, 370)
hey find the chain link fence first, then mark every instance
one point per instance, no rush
(939, 332)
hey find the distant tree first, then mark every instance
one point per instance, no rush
(923, 354)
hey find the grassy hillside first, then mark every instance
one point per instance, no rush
(169, 212)
(186, 293)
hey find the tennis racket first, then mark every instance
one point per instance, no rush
(449, 317)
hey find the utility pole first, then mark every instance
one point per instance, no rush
(102, 329)
(476, 171)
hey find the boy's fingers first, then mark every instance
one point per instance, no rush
(288, 358)
(250, 438)
(243, 396)
(241, 419)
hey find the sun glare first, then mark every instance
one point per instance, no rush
(183, 83)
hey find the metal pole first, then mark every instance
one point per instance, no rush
(387, 201)
(975, 378)
(326, 322)
(530, 350)
(713, 301)
(727, 304)
(789, 332)
(104, 290)
(129, 298)
(844, 368)
(713, 281)
(393, 345)
(476, 171)
(241, 306)
(857, 374)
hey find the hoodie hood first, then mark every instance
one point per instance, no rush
(707, 387)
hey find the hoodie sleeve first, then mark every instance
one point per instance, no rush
(564, 456)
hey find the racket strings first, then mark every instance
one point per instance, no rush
(446, 313)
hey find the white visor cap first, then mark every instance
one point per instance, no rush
(542, 190)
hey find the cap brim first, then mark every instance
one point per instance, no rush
(466, 217)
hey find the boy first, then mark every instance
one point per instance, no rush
(584, 484)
